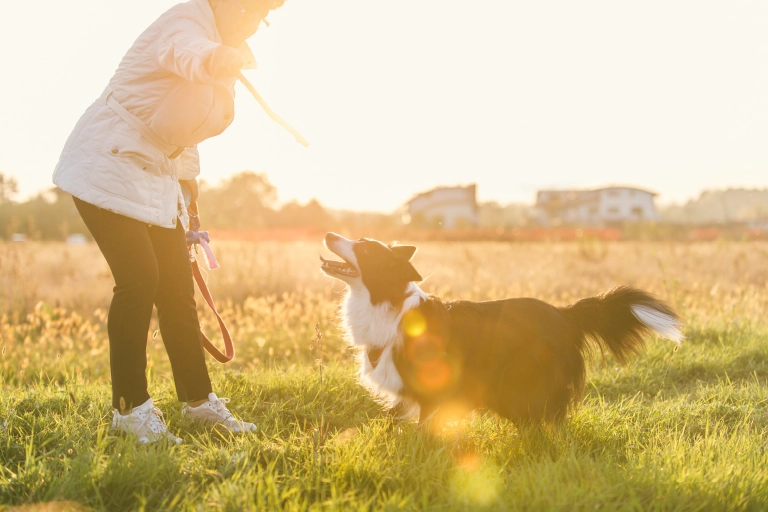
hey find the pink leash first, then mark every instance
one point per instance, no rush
(212, 263)
(202, 238)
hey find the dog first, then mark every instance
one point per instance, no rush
(520, 357)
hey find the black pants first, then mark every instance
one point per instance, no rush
(150, 265)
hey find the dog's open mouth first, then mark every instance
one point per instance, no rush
(337, 267)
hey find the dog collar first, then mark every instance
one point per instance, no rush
(374, 356)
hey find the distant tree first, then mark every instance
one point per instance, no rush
(367, 223)
(9, 187)
(244, 201)
(495, 215)
(50, 215)
(311, 215)
(418, 221)
(463, 223)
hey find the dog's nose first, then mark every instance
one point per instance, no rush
(332, 237)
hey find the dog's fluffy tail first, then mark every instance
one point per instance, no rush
(619, 319)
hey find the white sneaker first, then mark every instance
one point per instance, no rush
(146, 422)
(215, 412)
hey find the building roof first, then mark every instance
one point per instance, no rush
(578, 196)
(626, 187)
(472, 187)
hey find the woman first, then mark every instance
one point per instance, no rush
(124, 164)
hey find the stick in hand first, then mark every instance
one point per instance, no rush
(301, 140)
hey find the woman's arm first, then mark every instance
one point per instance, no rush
(194, 192)
(192, 209)
(187, 170)
(185, 50)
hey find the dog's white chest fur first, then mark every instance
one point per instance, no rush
(369, 326)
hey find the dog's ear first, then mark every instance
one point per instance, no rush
(404, 251)
(410, 272)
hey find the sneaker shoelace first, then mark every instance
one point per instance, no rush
(220, 406)
(154, 420)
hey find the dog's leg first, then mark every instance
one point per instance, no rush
(397, 411)
(427, 414)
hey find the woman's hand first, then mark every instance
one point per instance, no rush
(225, 62)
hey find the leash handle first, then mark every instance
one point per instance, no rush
(194, 236)
(212, 263)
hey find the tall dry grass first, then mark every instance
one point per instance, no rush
(731, 275)
(55, 298)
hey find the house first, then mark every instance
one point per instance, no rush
(443, 207)
(732, 206)
(595, 207)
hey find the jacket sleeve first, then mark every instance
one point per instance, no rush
(184, 49)
(188, 164)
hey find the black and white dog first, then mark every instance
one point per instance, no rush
(523, 358)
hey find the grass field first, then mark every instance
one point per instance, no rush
(675, 430)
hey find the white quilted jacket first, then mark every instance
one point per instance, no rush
(132, 145)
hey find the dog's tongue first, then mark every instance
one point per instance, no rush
(332, 263)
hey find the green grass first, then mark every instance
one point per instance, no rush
(675, 430)
(682, 430)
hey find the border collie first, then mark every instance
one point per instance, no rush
(522, 358)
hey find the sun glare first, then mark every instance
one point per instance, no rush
(414, 323)
(476, 481)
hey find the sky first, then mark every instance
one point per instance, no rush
(397, 97)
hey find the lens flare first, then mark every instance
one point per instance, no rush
(424, 348)
(449, 420)
(434, 375)
(433, 367)
(414, 323)
(476, 481)
(469, 462)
